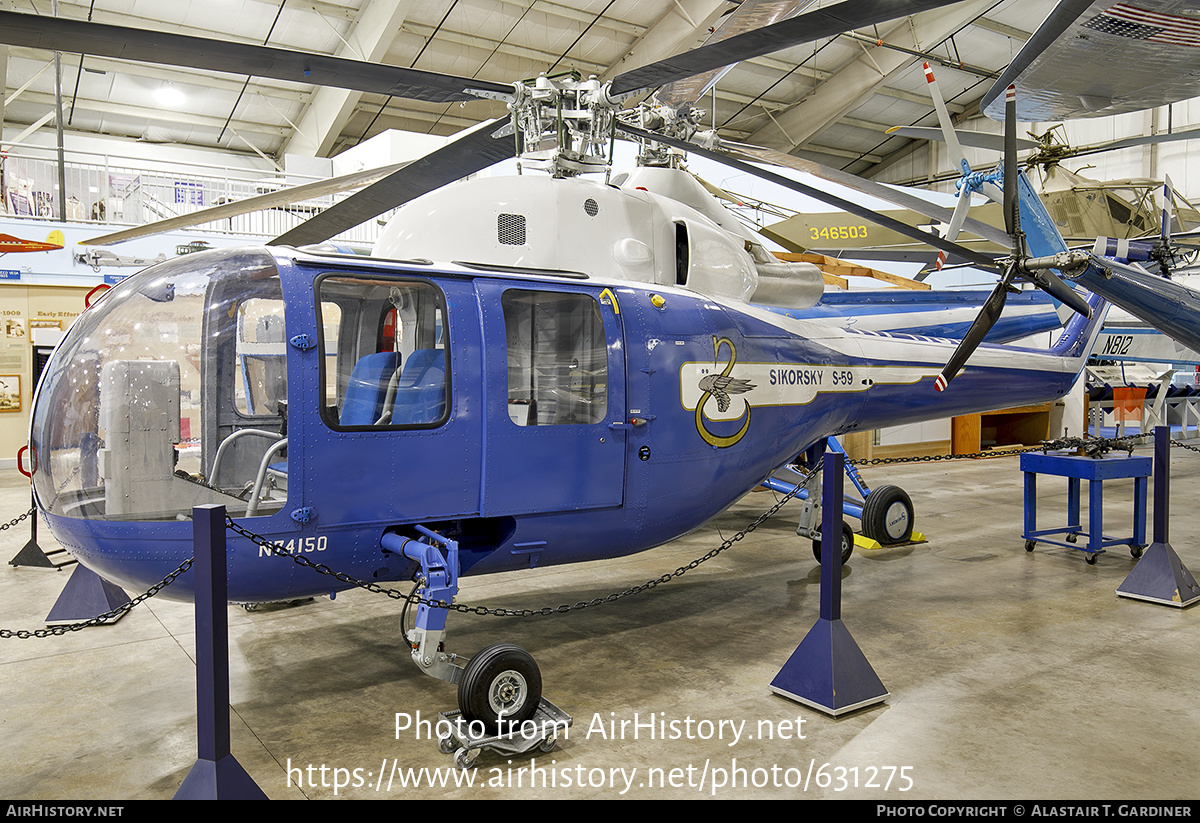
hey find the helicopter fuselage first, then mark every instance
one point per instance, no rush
(551, 419)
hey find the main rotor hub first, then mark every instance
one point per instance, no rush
(565, 124)
(680, 124)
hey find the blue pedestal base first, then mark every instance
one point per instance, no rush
(223, 779)
(85, 596)
(1161, 577)
(829, 672)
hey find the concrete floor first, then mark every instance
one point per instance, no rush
(1011, 674)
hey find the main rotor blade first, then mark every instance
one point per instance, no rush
(1129, 142)
(974, 139)
(750, 15)
(270, 200)
(124, 43)
(987, 317)
(468, 154)
(867, 187)
(803, 28)
(825, 197)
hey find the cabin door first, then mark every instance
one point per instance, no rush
(555, 388)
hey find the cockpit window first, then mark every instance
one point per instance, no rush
(384, 353)
(169, 393)
(261, 382)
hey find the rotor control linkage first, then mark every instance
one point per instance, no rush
(439, 583)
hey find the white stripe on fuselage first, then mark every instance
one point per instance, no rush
(902, 348)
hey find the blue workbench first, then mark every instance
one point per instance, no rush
(1076, 467)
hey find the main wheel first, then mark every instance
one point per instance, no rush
(500, 683)
(847, 544)
(887, 515)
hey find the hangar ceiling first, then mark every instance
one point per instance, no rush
(830, 101)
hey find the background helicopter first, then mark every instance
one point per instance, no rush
(470, 392)
(1073, 50)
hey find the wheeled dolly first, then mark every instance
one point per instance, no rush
(467, 738)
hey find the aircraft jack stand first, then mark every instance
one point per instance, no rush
(1160, 576)
(467, 739)
(828, 671)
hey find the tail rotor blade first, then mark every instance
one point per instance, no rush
(956, 223)
(1012, 222)
(1053, 285)
(1168, 211)
(988, 315)
(948, 133)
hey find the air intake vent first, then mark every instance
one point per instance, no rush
(510, 229)
(591, 207)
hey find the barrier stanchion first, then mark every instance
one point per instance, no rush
(828, 671)
(1160, 576)
(31, 553)
(216, 774)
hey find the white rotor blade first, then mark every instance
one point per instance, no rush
(270, 200)
(948, 133)
(956, 223)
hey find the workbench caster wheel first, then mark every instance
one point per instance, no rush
(500, 684)
(887, 515)
(464, 760)
(1091, 558)
(1072, 537)
(847, 543)
(1029, 544)
(1136, 551)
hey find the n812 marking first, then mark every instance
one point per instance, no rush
(1118, 344)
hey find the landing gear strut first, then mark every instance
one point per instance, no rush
(500, 703)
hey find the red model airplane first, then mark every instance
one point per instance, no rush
(8, 243)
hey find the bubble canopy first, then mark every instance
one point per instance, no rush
(169, 393)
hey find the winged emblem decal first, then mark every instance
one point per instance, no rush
(721, 387)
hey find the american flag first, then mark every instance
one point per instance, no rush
(1129, 21)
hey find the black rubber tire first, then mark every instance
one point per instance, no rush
(887, 515)
(500, 683)
(847, 544)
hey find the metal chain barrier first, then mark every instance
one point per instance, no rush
(275, 549)
(1183, 445)
(1094, 446)
(320, 568)
(18, 519)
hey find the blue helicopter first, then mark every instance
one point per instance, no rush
(530, 371)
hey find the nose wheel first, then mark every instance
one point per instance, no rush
(501, 684)
(501, 708)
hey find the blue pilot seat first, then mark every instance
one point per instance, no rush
(421, 393)
(367, 391)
